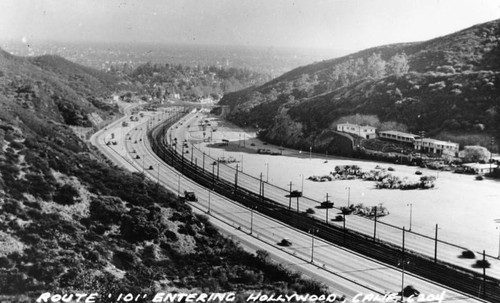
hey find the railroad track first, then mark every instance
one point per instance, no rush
(455, 277)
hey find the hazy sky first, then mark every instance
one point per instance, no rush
(335, 24)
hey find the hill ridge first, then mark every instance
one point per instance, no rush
(446, 86)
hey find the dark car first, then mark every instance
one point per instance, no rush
(190, 196)
(285, 242)
(409, 291)
(338, 218)
(327, 204)
(296, 193)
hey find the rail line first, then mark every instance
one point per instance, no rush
(453, 276)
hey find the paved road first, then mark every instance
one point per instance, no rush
(344, 272)
(425, 246)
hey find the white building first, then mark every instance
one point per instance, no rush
(398, 136)
(436, 146)
(366, 131)
(480, 169)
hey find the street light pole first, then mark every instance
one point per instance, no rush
(411, 211)
(251, 220)
(267, 174)
(436, 245)
(302, 188)
(348, 195)
(403, 267)
(312, 231)
(158, 179)
(327, 207)
(208, 211)
(143, 156)
(498, 242)
(179, 186)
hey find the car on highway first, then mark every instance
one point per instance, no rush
(338, 218)
(409, 291)
(327, 204)
(190, 196)
(296, 194)
(285, 242)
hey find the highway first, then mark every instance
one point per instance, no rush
(343, 271)
(381, 232)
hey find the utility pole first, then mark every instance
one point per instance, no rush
(158, 177)
(203, 161)
(344, 228)
(411, 209)
(484, 274)
(236, 179)
(422, 134)
(251, 220)
(327, 207)
(375, 225)
(267, 173)
(403, 267)
(498, 227)
(208, 211)
(218, 168)
(312, 231)
(348, 195)
(491, 153)
(179, 186)
(192, 154)
(290, 197)
(436, 245)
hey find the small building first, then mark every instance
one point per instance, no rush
(398, 136)
(365, 131)
(480, 169)
(436, 146)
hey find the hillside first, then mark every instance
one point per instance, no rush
(70, 222)
(447, 87)
(55, 89)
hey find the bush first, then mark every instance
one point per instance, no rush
(67, 195)
(170, 235)
(108, 210)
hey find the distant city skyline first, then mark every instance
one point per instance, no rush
(317, 24)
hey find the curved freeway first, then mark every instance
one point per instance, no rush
(345, 272)
(380, 231)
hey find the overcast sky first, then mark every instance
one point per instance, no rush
(332, 24)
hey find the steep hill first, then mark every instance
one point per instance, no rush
(447, 87)
(55, 88)
(70, 222)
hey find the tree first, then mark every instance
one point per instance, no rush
(375, 66)
(398, 65)
(475, 153)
